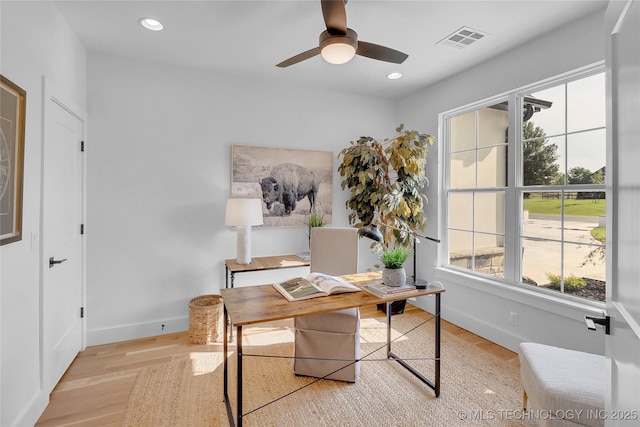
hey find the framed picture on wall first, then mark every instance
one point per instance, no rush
(12, 125)
(291, 183)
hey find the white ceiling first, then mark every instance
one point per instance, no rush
(248, 38)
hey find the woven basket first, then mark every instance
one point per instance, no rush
(205, 319)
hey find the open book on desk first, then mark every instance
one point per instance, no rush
(313, 286)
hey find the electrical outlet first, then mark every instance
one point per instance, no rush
(513, 318)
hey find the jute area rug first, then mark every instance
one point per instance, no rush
(476, 388)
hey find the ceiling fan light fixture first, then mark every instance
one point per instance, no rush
(338, 49)
(338, 53)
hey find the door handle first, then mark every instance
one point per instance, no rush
(53, 262)
(604, 321)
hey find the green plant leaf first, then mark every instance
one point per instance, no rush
(386, 179)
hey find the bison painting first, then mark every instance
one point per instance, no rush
(287, 184)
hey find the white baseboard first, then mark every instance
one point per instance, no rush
(141, 330)
(477, 326)
(33, 411)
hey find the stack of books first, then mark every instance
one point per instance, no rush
(381, 290)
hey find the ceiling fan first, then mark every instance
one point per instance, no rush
(338, 44)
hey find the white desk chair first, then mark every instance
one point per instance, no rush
(336, 335)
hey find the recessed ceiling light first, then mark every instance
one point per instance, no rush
(394, 76)
(151, 24)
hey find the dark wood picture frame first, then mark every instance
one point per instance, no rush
(13, 101)
(253, 169)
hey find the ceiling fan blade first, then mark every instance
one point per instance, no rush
(335, 16)
(299, 57)
(381, 53)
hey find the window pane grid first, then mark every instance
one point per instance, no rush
(569, 133)
(560, 185)
(477, 184)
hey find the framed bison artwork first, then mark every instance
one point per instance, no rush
(291, 183)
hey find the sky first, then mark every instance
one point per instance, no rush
(579, 108)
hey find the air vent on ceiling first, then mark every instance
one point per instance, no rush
(462, 38)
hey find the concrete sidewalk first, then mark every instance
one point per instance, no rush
(544, 257)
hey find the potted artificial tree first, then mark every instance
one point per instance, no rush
(386, 179)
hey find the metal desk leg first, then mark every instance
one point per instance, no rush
(225, 348)
(237, 420)
(437, 349)
(388, 329)
(225, 365)
(435, 384)
(239, 358)
(226, 285)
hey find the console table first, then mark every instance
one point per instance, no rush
(275, 262)
(249, 305)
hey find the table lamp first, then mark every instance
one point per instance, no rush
(243, 214)
(372, 232)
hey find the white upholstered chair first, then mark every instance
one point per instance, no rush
(562, 381)
(335, 335)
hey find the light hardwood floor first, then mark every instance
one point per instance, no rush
(96, 388)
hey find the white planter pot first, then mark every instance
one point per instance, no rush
(394, 276)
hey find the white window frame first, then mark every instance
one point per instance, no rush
(510, 282)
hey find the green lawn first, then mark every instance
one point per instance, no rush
(536, 205)
(599, 233)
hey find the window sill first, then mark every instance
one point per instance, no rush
(557, 304)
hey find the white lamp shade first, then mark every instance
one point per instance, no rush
(243, 212)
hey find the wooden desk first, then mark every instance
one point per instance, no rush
(261, 263)
(256, 304)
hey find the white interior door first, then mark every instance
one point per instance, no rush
(62, 241)
(623, 227)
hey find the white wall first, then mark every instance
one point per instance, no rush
(478, 305)
(159, 155)
(35, 42)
